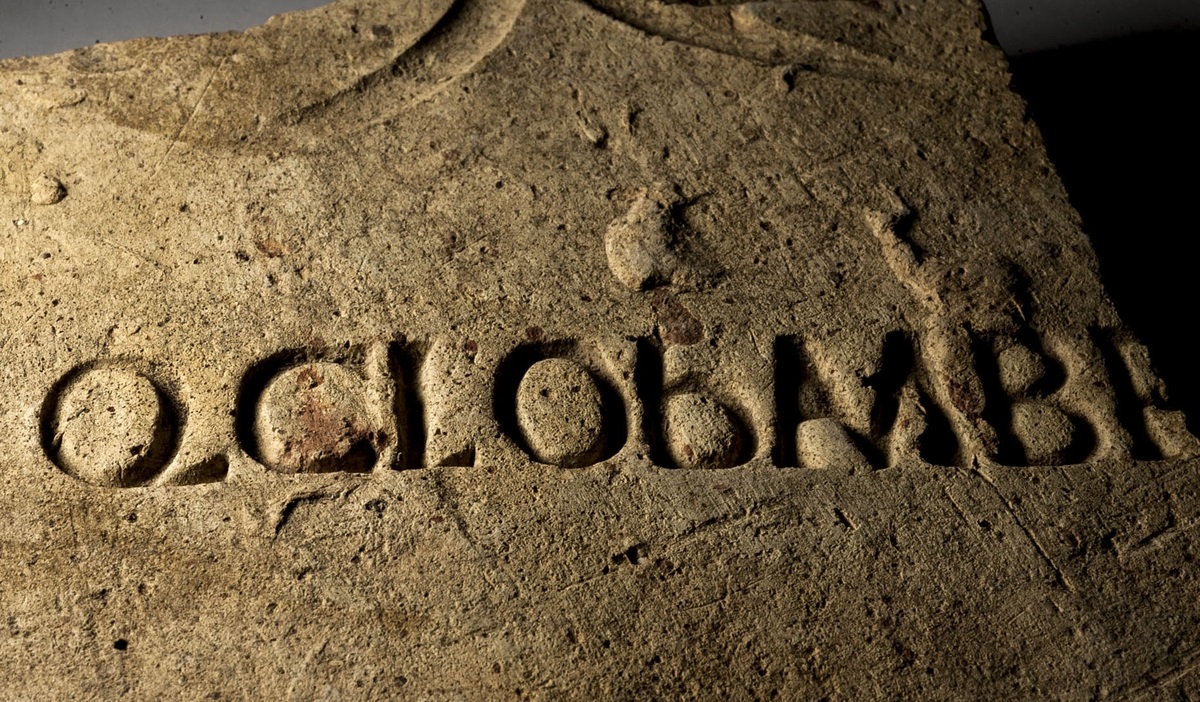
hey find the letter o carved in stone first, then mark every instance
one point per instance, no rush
(560, 413)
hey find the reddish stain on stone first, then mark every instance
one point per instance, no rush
(675, 324)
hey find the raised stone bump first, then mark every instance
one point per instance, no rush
(45, 189)
(649, 246)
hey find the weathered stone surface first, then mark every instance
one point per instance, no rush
(561, 413)
(835, 404)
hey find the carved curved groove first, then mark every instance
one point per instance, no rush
(743, 30)
(468, 32)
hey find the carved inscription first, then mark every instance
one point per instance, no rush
(110, 425)
(574, 403)
(557, 402)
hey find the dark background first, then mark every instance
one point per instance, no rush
(32, 27)
(1119, 124)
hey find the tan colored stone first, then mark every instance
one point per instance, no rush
(46, 190)
(824, 443)
(1020, 370)
(112, 428)
(561, 413)
(700, 433)
(312, 418)
(1044, 431)
(323, 271)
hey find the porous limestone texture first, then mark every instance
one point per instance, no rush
(571, 349)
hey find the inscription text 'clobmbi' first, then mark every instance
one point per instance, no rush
(576, 403)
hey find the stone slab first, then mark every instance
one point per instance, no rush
(516, 348)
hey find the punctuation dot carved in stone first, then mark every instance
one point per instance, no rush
(650, 245)
(46, 190)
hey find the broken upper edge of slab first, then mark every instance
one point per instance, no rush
(310, 66)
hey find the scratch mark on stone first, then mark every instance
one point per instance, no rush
(284, 512)
(444, 496)
(1018, 615)
(722, 600)
(1037, 545)
(954, 503)
(1165, 535)
(448, 501)
(135, 254)
(1157, 681)
(195, 110)
(749, 512)
(581, 583)
(725, 596)
(303, 675)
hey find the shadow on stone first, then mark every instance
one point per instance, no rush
(1118, 124)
